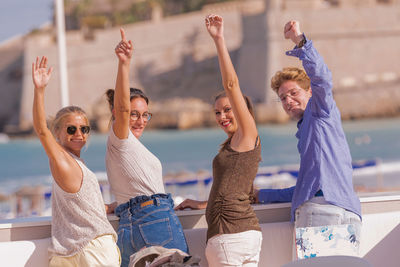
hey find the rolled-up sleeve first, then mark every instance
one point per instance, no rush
(266, 196)
(321, 78)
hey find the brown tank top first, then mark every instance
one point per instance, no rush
(228, 209)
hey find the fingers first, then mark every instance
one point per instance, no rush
(40, 73)
(179, 207)
(291, 26)
(123, 47)
(33, 71)
(183, 205)
(124, 42)
(50, 71)
(287, 27)
(43, 62)
(217, 18)
(37, 63)
(123, 38)
(212, 19)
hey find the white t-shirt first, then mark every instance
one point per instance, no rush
(132, 169)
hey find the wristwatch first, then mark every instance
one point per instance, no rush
(302, 42)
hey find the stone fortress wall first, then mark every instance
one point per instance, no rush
(359, 41)
(175, 59)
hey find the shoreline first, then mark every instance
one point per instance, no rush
(30, 134)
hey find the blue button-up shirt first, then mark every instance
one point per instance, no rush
(325, 160)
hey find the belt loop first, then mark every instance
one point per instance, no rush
(133, 204)
(157, 201)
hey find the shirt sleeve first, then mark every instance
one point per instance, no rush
(266, 196)
(119, 144)
(321, 102)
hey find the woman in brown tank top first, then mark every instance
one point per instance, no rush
(234, 235)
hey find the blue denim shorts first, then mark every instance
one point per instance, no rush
(148, 221)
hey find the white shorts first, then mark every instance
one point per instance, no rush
(240, 249)
(101, 251)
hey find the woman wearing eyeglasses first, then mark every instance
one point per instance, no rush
(81, 233)
(146, 212)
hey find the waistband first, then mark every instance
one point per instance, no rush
(318, 200)
(139, 202)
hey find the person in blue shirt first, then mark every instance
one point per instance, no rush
(324, 193)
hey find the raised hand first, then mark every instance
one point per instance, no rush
(292, 31)
(124, 49)
(40, 74)
(215, 27)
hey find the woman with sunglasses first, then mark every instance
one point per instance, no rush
(233, 235)
(146, 213)
(81, 234)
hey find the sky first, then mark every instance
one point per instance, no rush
(18, 17)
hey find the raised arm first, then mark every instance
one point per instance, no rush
(122, 104)
(315, 67)
(245, 137)
(64, 169)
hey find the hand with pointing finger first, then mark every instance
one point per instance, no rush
(124, 49)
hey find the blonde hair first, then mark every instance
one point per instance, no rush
(290, 74)
(57, 122)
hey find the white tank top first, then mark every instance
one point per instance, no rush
(78, 218)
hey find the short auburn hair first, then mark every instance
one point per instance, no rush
(290, 74)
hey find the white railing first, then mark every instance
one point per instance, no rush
(24, 242)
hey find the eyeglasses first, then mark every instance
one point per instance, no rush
(292, 93)
(72, 129)
(135, 115)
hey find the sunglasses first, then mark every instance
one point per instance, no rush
(72, 129)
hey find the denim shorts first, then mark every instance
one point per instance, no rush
(148, 221)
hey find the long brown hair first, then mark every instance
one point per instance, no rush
(249, 105)
(134, 93)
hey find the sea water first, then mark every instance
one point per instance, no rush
(23, 162)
